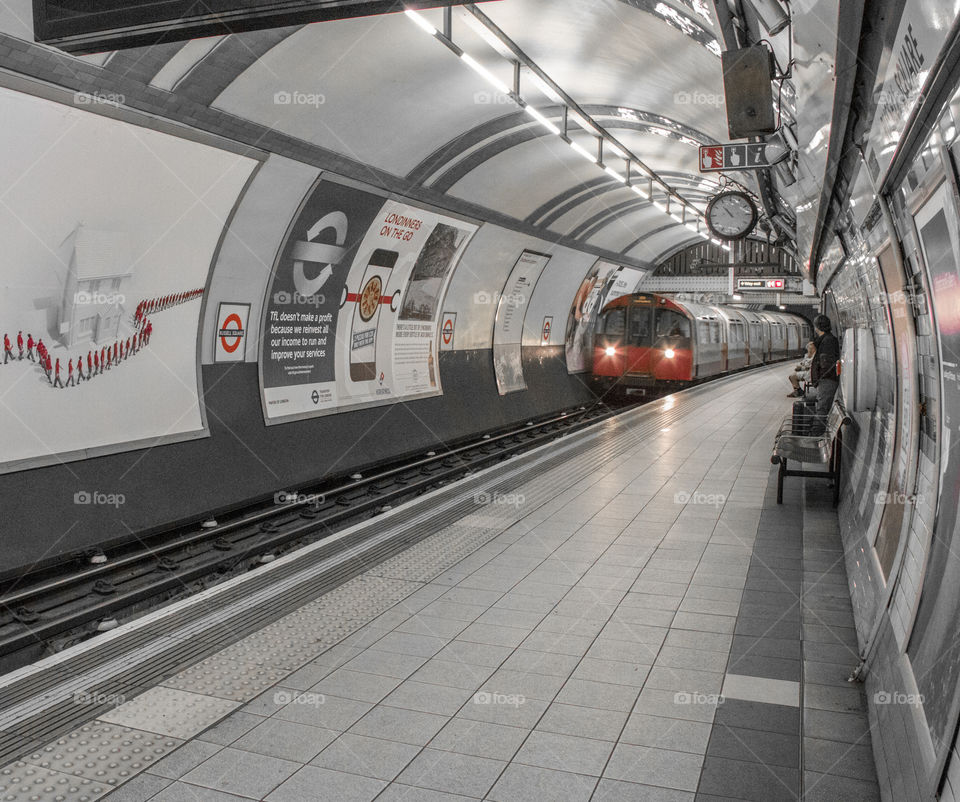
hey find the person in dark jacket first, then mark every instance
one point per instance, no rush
(823, 371)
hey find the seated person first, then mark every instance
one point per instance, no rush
(802, 371)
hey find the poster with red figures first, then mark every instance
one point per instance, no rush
(102, 280)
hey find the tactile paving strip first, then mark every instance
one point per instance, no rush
(171, 712)
(104, 753)
(226, 678)
(22, 781)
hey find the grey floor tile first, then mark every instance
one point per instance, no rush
(831, 726)
(324, 711)
(676, 735)
(286, 739)
(396, 724)
(183, 759)
(480, 738)
(603, 695)
(509, 711)
(551, 750)
(614, 672)
(242, 773)
(139, 789)
(479, 654)
(520, 782)
(356, 685)
(620, 791)
(452, 674)
(658, 767)
(397, 792)
(230, 728)
(684, 679)
(521, 683)
(686, 705)
(414, 645)
(758, 716)
(845, 760)
(314, 783)
(452, 772)
(752, 781)
(375, 661)
(368, 757)
(432, 626)
(428, 698)
(755, 746)
(604, 725)
(829, 788)
(186, 792)
(494, 634)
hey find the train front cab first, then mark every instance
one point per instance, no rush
(643, 341)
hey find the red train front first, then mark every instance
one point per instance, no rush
(643, 340)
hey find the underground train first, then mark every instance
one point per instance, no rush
(654, 341)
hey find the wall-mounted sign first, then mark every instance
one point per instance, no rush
(715, 158)
(546, 329)
(760, 283)
(447, 328)
(231, 332)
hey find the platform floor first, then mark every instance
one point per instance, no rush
(657, 630)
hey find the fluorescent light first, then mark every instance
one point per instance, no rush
(660, 206)
(478, 68)
(615, 174)
(726, 248)
(676, 217)
(582, 151)
(542, 120)
(641, 192)
(581, 121)
(715, 241)
(692, 227)
(421, 21)
(544, 87)
(614, 149)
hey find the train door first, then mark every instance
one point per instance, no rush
(639, 333)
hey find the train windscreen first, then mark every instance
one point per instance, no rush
(673, 329)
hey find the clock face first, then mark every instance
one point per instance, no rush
(731, 215)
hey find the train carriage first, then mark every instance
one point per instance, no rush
(647, 340)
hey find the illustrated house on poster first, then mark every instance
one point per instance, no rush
(93, 305)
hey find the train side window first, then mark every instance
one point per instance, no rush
(616, 322)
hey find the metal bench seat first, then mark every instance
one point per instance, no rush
(822, 449)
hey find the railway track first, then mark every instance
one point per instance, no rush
(45, 612)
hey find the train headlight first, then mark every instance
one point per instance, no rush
(611, 351)
(668, 353)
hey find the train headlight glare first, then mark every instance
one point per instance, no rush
(611, 351)
(668, 353)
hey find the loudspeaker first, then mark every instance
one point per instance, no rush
(747, 76)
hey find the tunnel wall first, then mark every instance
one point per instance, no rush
(151, 485)
(894, 295)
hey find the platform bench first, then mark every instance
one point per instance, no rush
(823, 449)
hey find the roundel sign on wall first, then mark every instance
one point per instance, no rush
(447, 325)
(231, 332)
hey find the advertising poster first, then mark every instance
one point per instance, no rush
(508, 327)
(231, 337)
(578, 340)
(103, 280)
(352, 316)
(933, 648)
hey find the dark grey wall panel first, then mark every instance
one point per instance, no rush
(243, 458)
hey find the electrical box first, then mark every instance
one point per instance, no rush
(747, 88)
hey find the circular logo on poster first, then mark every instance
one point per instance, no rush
(447, 331)
(315, 397)
(370, 298)
(231, 335)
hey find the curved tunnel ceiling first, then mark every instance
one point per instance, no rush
(383, 93)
